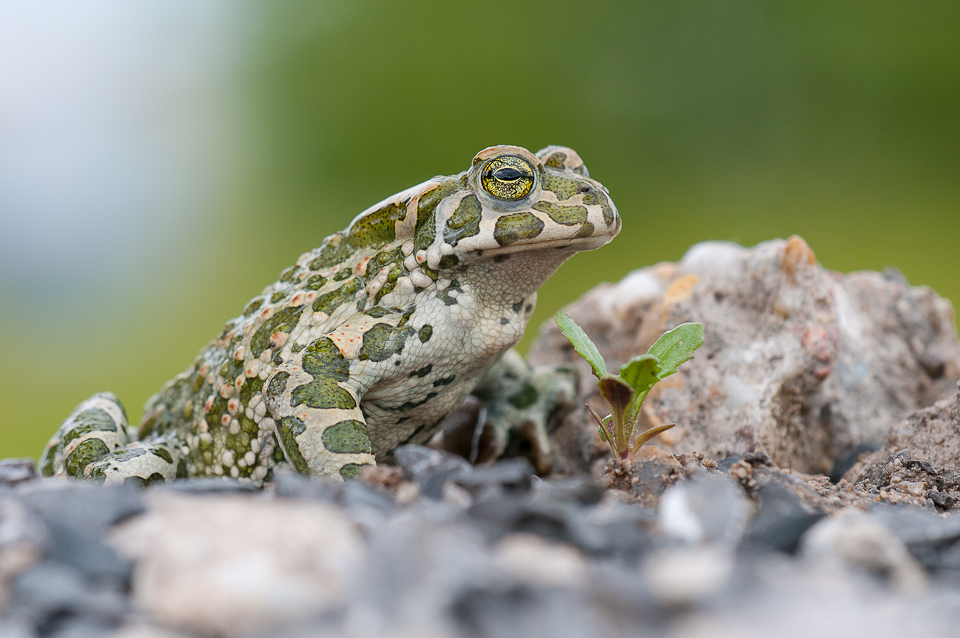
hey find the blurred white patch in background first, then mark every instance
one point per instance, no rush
(117, 140)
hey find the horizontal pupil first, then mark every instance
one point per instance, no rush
(507, 174)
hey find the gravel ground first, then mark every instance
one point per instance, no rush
(437, 548)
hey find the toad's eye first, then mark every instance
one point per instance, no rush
(509, 178)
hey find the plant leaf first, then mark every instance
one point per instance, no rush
(649, 434)
(619, 396)
(676, 346)
(604, 428)
(641, 372)
(582, 344)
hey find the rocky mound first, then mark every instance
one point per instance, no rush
(800, 363)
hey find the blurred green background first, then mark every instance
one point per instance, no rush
(257, 130)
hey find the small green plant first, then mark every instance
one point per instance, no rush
(625, 392)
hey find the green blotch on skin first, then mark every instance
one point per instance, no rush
(287, 275)
(86, 453)
(525, 397)
(141, 482)
(351, 471)
(326, 364)
(444, 295)
(449, 261)
(127, 454)
(215, 413)
(556, 160)
(250, 387)
(382, 341)
(315, 282)
(381, 259)
(465, 221)
(92, 420)
(444, 381)
(163, 454)
(566, 215)
(347, 437)
(334, 250)
(332, 300)
(46, 463)
(425, 333)
(343, 274)
(516, 227)
(284, 321)
(593, 197)
(378, 227)
(422, 372)
(564, 187)
(277, 385)
(252, 307)
(288, 429)
(586, 231)
(277, 296)
(426, 220)
(182, 469)
(376, 312)
(149, 426)
(389, 284)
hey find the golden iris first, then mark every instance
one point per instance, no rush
(509, 178)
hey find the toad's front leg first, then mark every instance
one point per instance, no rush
(316, 406)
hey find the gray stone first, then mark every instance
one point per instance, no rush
(781, 518)
(526, 611)
(512, 474)
(77, 516)
(50, 587)
(218, 485)
(16, 628)
(294, 485)
(15, 471)
(852, 539)
(82, 629)
(89, 508)
(705, 509)
(430, 468)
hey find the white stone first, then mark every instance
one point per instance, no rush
(237, 566)
(536, 561)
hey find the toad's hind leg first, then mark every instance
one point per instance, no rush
(95, 443)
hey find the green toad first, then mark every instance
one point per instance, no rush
(368, 341)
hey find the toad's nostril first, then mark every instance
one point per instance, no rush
(584, 189)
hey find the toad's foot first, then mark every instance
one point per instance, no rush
(513, 410)
(95, 443)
